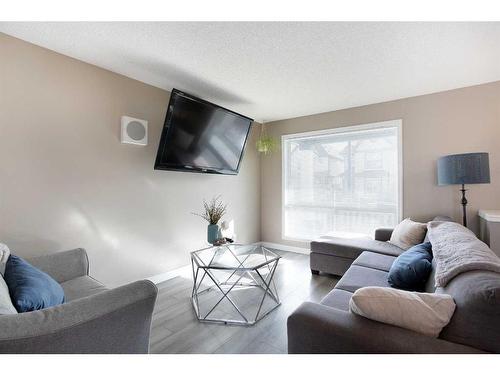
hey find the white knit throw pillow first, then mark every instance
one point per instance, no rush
(426, 313)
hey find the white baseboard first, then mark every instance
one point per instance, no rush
(186, 271)
(181, 271)
(293, 249)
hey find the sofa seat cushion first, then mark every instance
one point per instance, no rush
(352, 247)
(338, 299)
(376, 261)
(80, 287)
(358, 277)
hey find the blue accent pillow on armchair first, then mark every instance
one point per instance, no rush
(31, 289)
(412, 268)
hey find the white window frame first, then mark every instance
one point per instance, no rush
(398, 124)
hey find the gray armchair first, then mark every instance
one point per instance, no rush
(94, 319)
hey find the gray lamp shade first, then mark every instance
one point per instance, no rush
(473, 168)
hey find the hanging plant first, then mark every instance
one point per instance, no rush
(266, 144)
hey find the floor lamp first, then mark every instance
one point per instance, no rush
(462, 169)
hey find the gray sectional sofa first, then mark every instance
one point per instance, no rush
(329, 327)
(94, 319)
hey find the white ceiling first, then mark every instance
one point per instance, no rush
(275, 70)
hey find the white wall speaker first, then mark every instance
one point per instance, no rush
(134, 131)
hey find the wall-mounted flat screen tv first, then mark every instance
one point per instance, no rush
(199, 136)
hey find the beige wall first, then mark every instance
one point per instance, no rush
(457, 121)
(66, 181)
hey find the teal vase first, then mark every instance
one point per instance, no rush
(212, 233)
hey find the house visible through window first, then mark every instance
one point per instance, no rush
(374, 160)
(344, 182)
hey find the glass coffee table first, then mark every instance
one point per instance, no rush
(234, 284)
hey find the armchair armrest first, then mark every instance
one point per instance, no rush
(114, 321)
(315, 328)
(63, 266)
(383, 234)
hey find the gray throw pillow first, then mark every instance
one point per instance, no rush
(408, 233)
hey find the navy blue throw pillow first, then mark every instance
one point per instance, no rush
(412, 268)
(31, 289)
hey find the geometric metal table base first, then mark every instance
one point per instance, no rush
(226, 270)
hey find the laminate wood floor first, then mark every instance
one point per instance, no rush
(175, 328)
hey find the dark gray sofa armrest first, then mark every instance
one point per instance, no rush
(114, 321)
(315, 328)
(383, 234)
(63, 266)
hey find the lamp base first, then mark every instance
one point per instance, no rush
(464, 206)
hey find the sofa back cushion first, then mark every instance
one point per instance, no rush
(476, 321)
(430, 285)
(31, 289)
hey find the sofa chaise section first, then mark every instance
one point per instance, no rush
(335, 255)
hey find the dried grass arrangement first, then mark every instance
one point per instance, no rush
(214, 210)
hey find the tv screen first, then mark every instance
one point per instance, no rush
(199, 136)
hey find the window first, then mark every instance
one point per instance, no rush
(342, 182)
(374, 160)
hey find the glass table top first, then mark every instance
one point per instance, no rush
(233, 256)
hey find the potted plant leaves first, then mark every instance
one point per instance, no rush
(266, 144)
